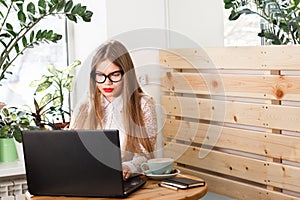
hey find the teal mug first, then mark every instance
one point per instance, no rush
(158, 166)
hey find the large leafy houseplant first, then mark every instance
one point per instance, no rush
(53, 89)
(282, 20)
(15, 39)
(12, 122)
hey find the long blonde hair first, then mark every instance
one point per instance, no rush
(133, 121)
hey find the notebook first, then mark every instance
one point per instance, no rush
(182, 182)
(76, 163)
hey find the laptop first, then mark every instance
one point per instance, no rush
(76, 163)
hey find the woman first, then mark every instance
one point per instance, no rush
(116, 101)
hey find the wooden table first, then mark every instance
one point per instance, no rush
(150, 190)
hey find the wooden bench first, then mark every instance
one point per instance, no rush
(232, 117)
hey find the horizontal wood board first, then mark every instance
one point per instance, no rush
(248, 141)
(238, 58)
(236, 189)
(271, 87)
(238, 103)
(260, 171)
(254, 114)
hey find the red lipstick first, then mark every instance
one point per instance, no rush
(109, 90)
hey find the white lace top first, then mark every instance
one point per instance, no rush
(113, 119)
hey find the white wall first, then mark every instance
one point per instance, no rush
(200, 20)
(129, 15)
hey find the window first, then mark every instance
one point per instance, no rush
(32, 64)
(243, 31)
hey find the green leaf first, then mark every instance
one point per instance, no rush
(14, 117)
(4, 131)
(31, 8)
(43, 86)
(234, 15)
(38, 35)
(20, 6)
(31, 18)
(52, 8)
(228, 5)
(87, 16)
(31, 37)
(24, 42)
(49, 34)
(81, 11)
(5, 112)
(68, 6)
(17, 134)
(42, 6)
(60, 6)
(44, 34)
(71, 17)
(46, 99)
(54, 1)
(9, 26)
(17, 48)
(55, 37)
(51, 68)
(22, 16)
(76, 9)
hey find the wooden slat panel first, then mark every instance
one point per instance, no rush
(269, 116)
(237, 190)
(254, 142)
(254, 86)
(233, 146)
(275, 174)
(252, 58)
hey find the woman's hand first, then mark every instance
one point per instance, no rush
(126, 172)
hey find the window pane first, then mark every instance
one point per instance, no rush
(32, 64)
(243, 31)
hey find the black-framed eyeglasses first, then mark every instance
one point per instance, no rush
(114, 77)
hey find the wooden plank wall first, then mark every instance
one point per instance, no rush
(232, 117)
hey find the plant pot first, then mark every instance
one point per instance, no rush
(61, 126)
(8, 150)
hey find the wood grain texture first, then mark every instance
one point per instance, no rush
(249, 141)
(238, 58)
(236, 165)
(239, 103)
(272, 87)
(254, 114)
(236, 189)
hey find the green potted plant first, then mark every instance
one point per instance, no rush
(54, 87)
(12, 122)
(282, 24)
(18, 32)
(15, 39)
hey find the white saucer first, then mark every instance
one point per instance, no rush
(162, 176)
